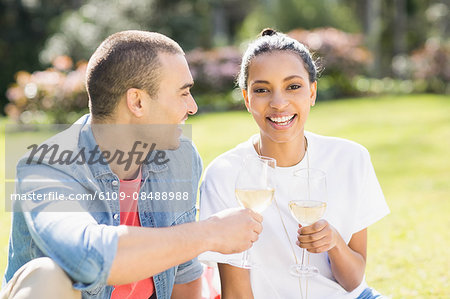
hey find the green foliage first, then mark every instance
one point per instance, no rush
(82, 30)
(24, 27)
(220, 101)
(57, 95)
(285, 15)
(33, 33)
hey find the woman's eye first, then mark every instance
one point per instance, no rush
(294, 86)
(260, 90)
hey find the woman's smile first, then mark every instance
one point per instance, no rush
(282, 122)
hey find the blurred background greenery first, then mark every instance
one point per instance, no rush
(375, 54)
(365, 47)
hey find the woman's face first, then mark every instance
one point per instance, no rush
(279, 95)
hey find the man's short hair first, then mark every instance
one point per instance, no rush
(127, 59)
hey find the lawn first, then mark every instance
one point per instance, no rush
(409, 141)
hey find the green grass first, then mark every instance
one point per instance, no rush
(409, 141)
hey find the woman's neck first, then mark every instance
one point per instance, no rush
(286, 153)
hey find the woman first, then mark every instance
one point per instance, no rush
(278, 82)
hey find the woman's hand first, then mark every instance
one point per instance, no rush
(317, 237)
(348, 261)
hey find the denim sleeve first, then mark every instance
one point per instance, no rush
(73, 239)
(191, 270)
(188, 271)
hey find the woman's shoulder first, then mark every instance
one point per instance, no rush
(341, 146)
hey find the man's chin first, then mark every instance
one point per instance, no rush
(169, 145)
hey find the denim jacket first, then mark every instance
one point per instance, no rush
(81, 235)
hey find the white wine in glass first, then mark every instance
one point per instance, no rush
(254, 189)
(256, 200)
(306, 212)
(311, 192)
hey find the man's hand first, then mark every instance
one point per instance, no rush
(233, 230)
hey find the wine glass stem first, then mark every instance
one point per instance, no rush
(245, 258)
(303, 257)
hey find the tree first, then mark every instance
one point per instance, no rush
(24, 27)
(285, 15)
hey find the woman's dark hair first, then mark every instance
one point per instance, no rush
(270, 41)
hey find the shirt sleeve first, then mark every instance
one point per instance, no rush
(64, 230)
(188, 271)
(192, 269)
(371, 204)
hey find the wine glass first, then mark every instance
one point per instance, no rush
(255, 190)
(309, 206)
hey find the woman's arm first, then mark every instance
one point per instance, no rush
(348, 262)
(190, 290)
(235, 282)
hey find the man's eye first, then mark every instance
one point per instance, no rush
(294, 86)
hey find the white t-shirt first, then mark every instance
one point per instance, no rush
(355, 201)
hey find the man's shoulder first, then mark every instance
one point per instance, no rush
(56, 156)
(58, 146)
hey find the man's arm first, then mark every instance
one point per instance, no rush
(62, 229)
(143, 252)
(235, 282)
(190, 290)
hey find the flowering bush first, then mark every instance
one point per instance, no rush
(339, 52)
(431, 64)
(56, 95)
(214, 70)
(340, 56)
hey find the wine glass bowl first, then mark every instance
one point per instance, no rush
(306, 212)
(311, 196)
(256, 200)
(254, 189)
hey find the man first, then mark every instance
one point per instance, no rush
(134, 236)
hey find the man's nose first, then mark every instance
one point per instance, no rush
(192, 106)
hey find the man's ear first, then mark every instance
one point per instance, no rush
(135, 101)
(245, 95)
(313, 93)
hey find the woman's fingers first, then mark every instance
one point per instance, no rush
(313, 228)
(316, 238)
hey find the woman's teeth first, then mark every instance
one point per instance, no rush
(284, 120)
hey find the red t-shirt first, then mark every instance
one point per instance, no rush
(129, 215)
